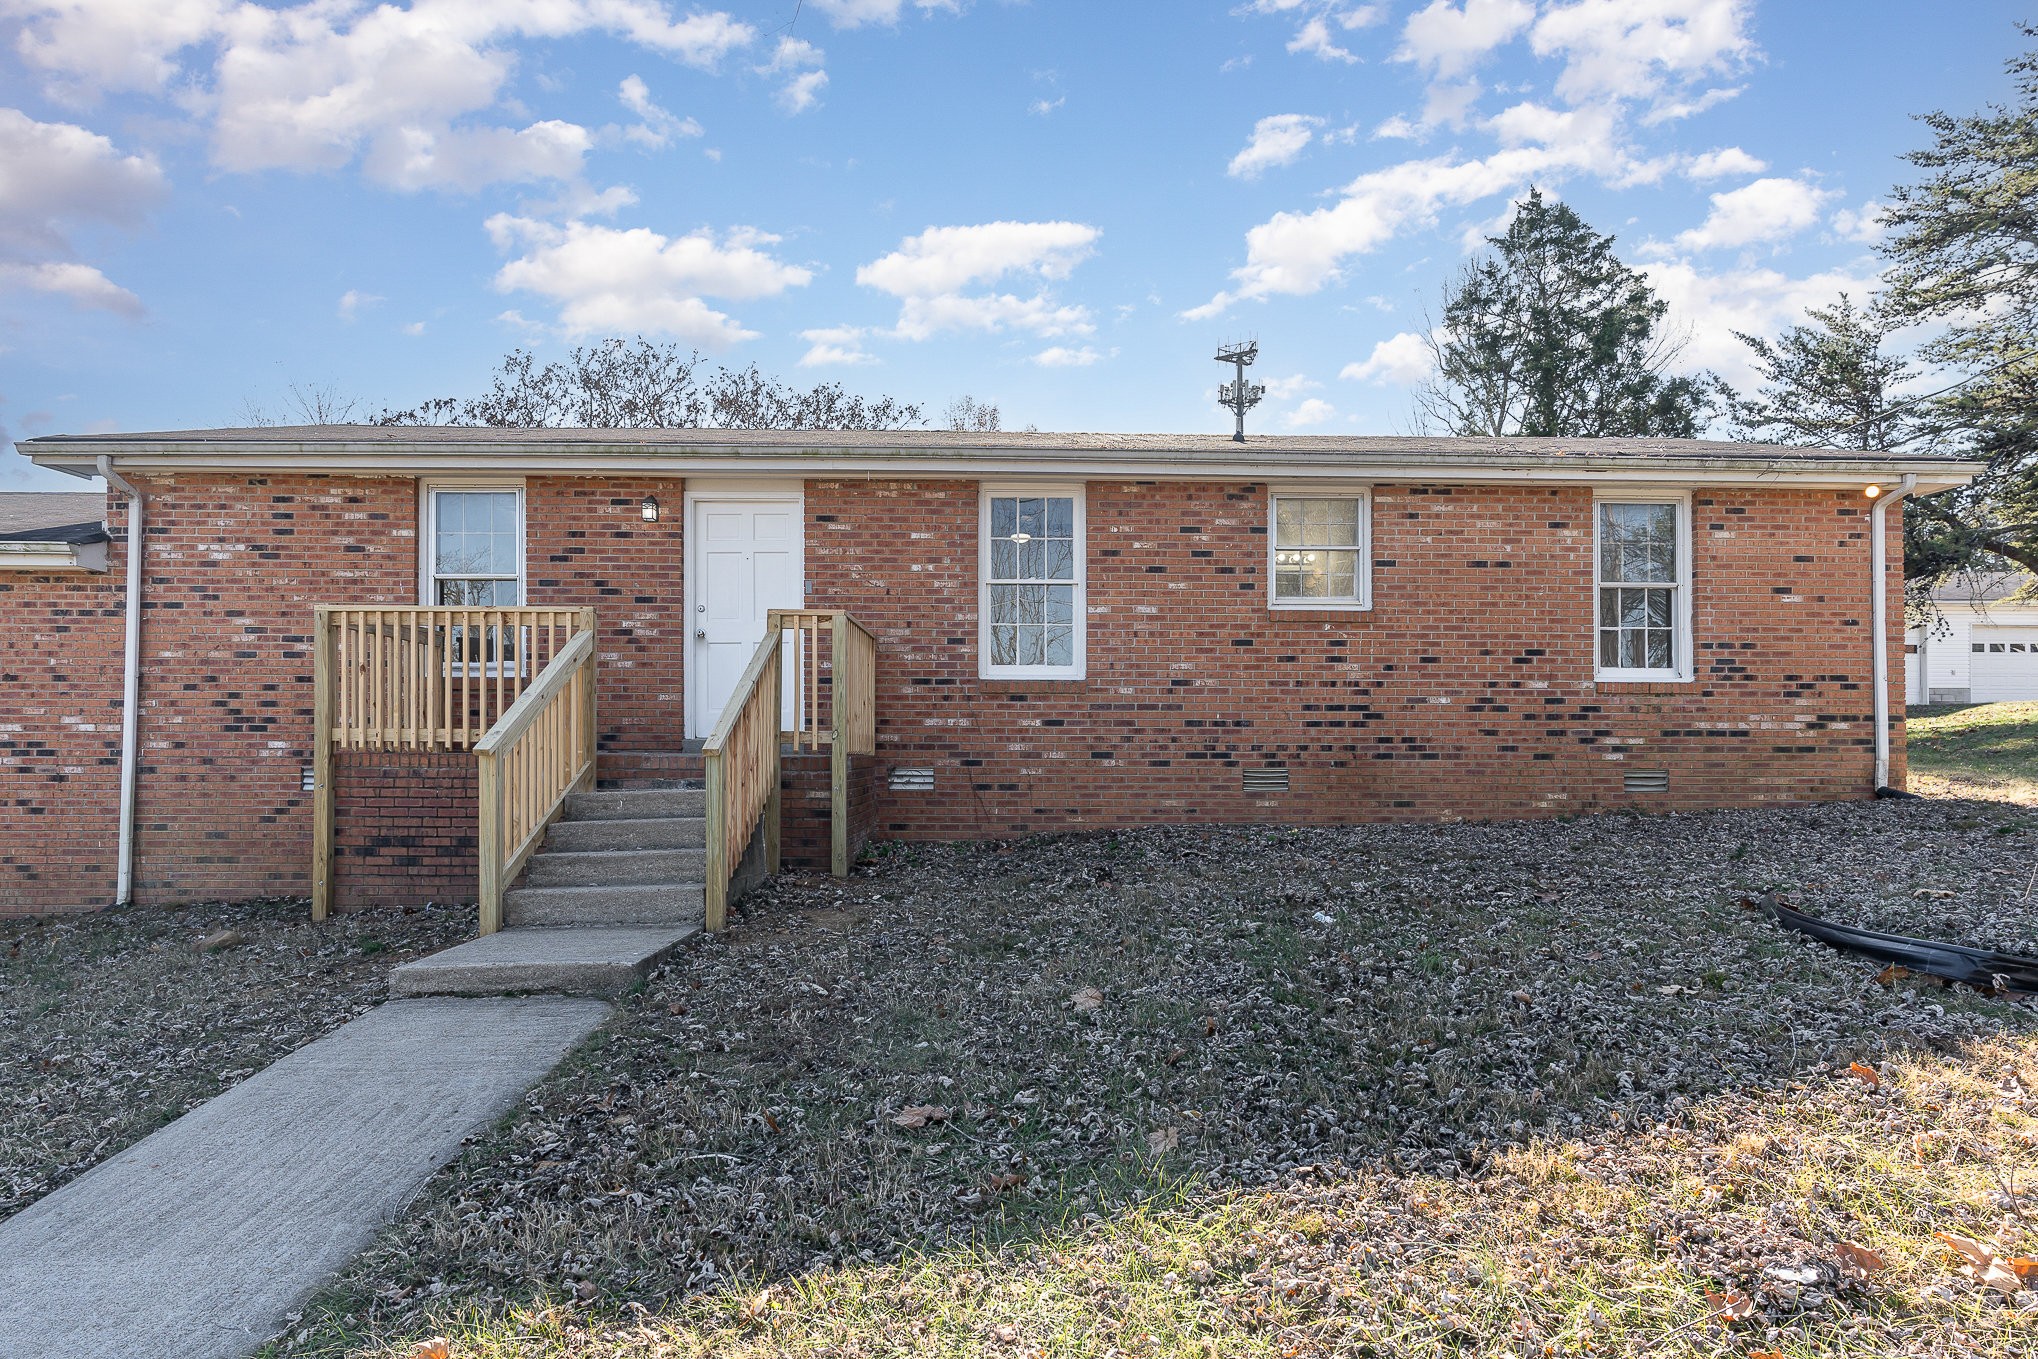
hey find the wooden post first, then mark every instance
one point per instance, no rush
(321, 764)
(489, 902)
(838, 752)
(718, 845)
(588, 703)
(774, 800)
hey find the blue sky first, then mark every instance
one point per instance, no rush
(1058, 207)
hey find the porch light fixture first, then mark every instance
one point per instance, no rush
(1872, 491)
(650, 509)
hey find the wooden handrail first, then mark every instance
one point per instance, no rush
(742, 767)
(537, 753)
(420, 678)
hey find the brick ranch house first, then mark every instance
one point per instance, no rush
(1057, 632)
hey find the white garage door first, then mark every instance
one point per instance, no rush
(2005, 664)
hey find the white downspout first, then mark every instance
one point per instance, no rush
(1878, 594)
(130, 680)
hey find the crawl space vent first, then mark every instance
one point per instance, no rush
(912, 780)
(310, 781)
(1272, 778)
(1649, 781)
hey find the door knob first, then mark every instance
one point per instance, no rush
(701, 634)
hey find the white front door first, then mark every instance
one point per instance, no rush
(745, 561)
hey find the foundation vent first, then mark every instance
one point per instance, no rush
(309, 780)
(1648, 781)
(912, 780)
(1271, 778)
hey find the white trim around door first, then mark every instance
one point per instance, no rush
(720, 631)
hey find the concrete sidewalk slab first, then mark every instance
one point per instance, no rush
(197, 1241)
(584, 960)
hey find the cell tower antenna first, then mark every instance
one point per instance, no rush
(1240, 395)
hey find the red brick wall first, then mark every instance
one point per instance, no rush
(405, 828)
(589, 544)
(1466, 691)
(60, 648)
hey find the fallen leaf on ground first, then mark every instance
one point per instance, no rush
(1858, 1261)
(1868, 1075)
(1931, 894)
(920, 1115)
(1891, 975)
(1983, 1265)
(438, 1347)
(1002, 1184)
(1087, 999)
(1163, 1139)
(1733, 1304)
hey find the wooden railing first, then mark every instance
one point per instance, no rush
(542, 750)
(420, 678)
(841, 714)
(741, 758)
(433, 678)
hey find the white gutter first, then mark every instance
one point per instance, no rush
(1878, 594)
(130, 680)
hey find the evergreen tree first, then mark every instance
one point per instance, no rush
(1552, 335)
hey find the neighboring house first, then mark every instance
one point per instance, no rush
(1070, 632)
(1982, 647)
(52, 531)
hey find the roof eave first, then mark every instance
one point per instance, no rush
(592, 457)
(42, 558)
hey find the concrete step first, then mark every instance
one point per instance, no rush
(654, 904)
(659, 833)
(589, 960)
(635, 804)
(616, 867)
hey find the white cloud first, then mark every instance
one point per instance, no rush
(1061, 356)
(1641, 49)
(1765, 210)
(353, 301)
(1314, 411)
(1040, 108)
(930, 272)
(1315, 20)
(607, 281)
(1276, 140)
(1447, 40)
(1288, 388)
(1670, 110)
(656, 127)
(408, 90)
(856, 13)
(81, 284)
(1398, 361)
(800, 62)
(466, 159)
(55, 177)
(835, 346)
(1752, 300)
(1298, 253)
(1724, 163)
(414, 328)
(1863, 225)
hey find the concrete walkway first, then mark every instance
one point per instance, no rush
(197, 1241)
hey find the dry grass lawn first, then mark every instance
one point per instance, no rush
(1522, 1090)
(1987, 751)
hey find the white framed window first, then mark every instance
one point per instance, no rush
(1031, 572)
(473, 549)
(1319, 552)
(1642, 570)
(471, 555)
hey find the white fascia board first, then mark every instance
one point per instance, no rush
(42, 558)
(826, 463)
